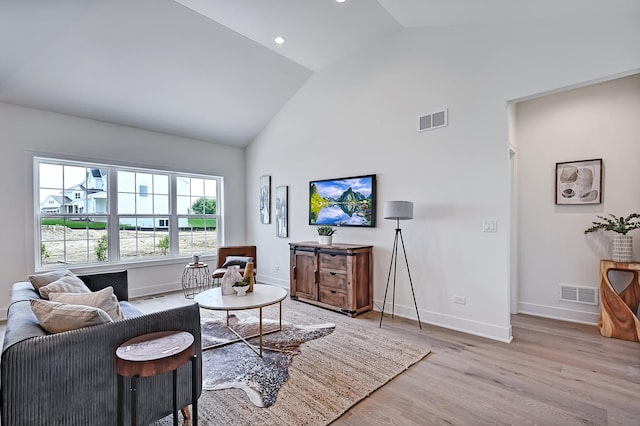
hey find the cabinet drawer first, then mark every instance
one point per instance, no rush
(336, 280)
(333, 297)
(334, 262)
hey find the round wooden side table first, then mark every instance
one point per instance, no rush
(150, 355)
(196, 278)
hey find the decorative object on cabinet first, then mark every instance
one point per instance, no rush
(618, 317)
(282, 211)
(325, 235)
(343, 202)
(337, 277)
(265, 199)
(398, 210)
(622, 243)
(579, 182)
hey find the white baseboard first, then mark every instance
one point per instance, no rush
(564, 314)
(490, 331)
(266, 279)
(135, 292)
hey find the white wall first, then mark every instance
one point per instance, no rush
(359, 117)
(24, 132)
(597, 121)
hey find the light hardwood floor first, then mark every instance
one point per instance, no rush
(553, 373)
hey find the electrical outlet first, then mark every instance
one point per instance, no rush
(461, 300)
(276, 267)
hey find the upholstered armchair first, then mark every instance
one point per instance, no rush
(234, 255)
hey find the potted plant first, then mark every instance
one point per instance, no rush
(325, 235)
(241, 287)
(622, 243)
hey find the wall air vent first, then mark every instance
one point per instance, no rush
(572, 293)
(432, 121)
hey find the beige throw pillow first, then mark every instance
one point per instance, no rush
(103, 299)
(68, 283)
(40, 280)
(57, 317)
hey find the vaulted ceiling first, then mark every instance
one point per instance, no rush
(209, 69)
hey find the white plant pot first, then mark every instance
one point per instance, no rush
(241, 291)
(325, 240)
(622, 248)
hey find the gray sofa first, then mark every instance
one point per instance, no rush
(70, 378)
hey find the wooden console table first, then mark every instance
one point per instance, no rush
(337, 277)
(618, 316)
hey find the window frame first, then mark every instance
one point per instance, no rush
(113, 217)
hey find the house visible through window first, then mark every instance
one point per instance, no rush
(90, 213)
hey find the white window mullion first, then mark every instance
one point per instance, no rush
(173, 216)
(114, 218)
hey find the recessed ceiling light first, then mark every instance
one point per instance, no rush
(340, 1)
(279, 40)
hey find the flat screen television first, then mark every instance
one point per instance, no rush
(347, 201)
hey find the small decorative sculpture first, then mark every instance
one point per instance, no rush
(230, 277)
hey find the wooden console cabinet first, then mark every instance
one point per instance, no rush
(337, 277)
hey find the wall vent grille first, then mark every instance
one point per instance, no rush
(577, 294)
(433, 120)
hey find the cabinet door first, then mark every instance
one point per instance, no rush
(303, 281)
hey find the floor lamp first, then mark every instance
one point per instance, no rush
(398, 210)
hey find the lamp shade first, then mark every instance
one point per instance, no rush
(400, 210)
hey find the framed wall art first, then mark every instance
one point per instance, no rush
(579, 182)
(282, 211)
(265, 199)
(349, 201)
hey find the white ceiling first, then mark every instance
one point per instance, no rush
(208, 69)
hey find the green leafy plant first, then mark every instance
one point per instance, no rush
(163, 244)
(101, 249)
(619, 225)
(243, 283)
(43, 251)
(326, 230)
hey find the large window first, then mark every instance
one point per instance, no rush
(91, 213)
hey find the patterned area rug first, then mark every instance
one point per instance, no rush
(333, 363)
(238, 366)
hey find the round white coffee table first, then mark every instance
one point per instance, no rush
(261, 296)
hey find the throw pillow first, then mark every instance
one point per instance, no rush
(57, 317)
(40, 280)
(103, 299)
(68, 283)
(241, 261)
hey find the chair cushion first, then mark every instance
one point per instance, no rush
(240, 261)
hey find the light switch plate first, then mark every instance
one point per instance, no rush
(489, 225)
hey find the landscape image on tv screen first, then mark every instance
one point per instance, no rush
(343, 202)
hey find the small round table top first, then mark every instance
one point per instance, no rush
(153, 346)
(262, 295)
(154, 353)
(195, 265)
